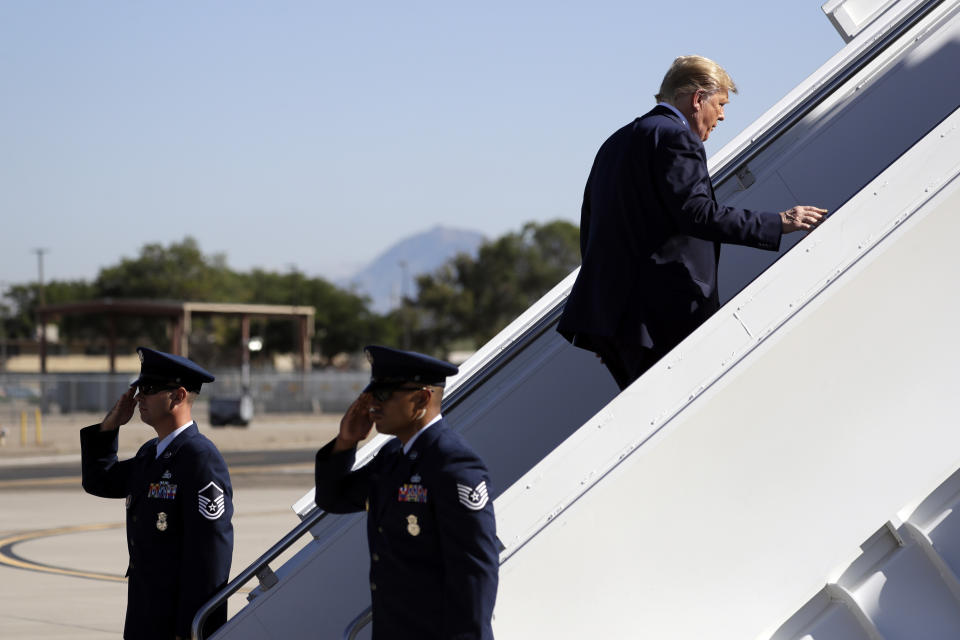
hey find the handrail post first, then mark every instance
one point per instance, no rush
(259, 569)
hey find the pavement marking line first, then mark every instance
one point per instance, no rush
(9, 558)
(32, 482)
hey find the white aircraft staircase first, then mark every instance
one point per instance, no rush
(734, 481)
(730, 482)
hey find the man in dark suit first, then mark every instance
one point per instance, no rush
(431, 531)
(651, 228)
(179, 500)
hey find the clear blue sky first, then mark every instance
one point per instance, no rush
(316, 134)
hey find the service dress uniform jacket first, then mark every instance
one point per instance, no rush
(650, 234)
(434, 556)
(179, 532)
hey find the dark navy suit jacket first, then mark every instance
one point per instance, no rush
(650, 234)
(431, 530)
(179, 532)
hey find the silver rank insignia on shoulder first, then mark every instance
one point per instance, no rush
(162, 521)
(211, 501)
(473, 498)
(412, 527)
(128, 501)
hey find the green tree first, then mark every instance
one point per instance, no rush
(343, 320)
(181, 272)
(21, 315)
(461, 305)
(469, 300)
(177, 272)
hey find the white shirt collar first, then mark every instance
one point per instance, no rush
(170, 436)
(675, 110)
(406, 447)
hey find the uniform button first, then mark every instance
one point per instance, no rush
(373, 586)
(380, 529)
(134, 518)
(375, 557)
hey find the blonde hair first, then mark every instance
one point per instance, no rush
(688, 74)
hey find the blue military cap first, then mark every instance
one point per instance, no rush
(166, 368)
(392, 367)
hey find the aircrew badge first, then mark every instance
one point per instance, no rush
(162, 521)
(473, 498)
(412, 493)
(412, 527)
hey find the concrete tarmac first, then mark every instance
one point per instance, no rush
(63, 552)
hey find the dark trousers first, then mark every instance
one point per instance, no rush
(628, 360)
(625, 363)
(664, 327)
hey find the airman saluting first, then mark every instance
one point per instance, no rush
(431, 530)
(178, 496)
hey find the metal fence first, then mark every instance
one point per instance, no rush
(314, 392)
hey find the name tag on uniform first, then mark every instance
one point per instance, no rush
(412, 493)
(163, 490)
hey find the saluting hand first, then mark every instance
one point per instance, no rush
(355, 424)
(121, 412)
(802, 218)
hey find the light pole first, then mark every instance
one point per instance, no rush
(40, 253)
(42, 320)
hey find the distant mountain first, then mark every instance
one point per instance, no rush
(383, 279)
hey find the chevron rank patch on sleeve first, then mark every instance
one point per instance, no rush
(211, 501)
(473, 498)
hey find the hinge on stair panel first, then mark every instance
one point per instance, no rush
(745, 179)
(267, 578)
